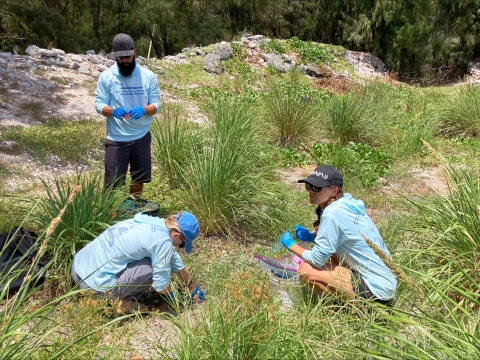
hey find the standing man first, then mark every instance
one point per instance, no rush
(128, 95)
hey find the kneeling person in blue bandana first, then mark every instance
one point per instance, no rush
(134, 254)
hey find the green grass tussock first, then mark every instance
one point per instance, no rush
(361, 116)
(291, 110)
(459, 116)
(224, 175)
(92, 210)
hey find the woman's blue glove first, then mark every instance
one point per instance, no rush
(198, 295)
(302, 233)
(119, 113)
(137, 112)
(287, 240)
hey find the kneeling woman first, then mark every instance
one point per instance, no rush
(134, 254)
(341, 262)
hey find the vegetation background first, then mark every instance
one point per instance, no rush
(237, 172)
(409, 36)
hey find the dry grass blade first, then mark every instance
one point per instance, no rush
(396, 270)
(434, 153)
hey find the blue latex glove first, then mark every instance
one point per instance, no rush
(119, 113)
(287, 240)
(302, 233)
(168, 297)
(198, 295)
(137, 112)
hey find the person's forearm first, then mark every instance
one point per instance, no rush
(297, 250)
(107, 111)
(185, 276)
(149, 110)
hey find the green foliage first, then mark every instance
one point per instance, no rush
(432, 334)
(84, 138)
(237, 49)
(293, 155)
(245, 76)
(90, 212)
(362, 116)
(291, 110)
(274, 46)
(46, 322)
(308, 51)
(452, 219)
(460, 116)
(356, 160)
(169, 138)
(219, 181)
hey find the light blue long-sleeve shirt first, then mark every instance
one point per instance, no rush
(116, 90)
(101, 260)
(339, 233)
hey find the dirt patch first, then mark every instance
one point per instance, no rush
(292, 175)
(336, 82)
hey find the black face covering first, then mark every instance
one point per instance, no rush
(126, 68)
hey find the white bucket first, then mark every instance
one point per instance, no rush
(285, 288)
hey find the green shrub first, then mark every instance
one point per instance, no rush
(360, 160)
(452, 220)
(309, 52)
(274, 46)
(292, 155)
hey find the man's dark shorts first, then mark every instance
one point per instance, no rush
(119, 154)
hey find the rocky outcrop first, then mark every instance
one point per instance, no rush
(367, 64)
(222, 52)
(45, 59)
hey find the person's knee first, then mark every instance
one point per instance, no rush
(304, 272)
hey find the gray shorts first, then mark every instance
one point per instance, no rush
(131, 282)
(362, 290)
(120, 154)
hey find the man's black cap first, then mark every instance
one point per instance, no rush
(123, 45)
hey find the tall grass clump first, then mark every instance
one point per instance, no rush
(452, 220)
(170, 138)
(32, 326)
(291, 110)
(221, 180)
(459, 116)
(92, 210)
(449, 331)
(361, 116)
(242, 321)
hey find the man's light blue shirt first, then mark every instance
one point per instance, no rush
(339, 233)
(116, 90)
(101, 260)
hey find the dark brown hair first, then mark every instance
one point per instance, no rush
(319, 210)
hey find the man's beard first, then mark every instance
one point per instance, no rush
(126, 69)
